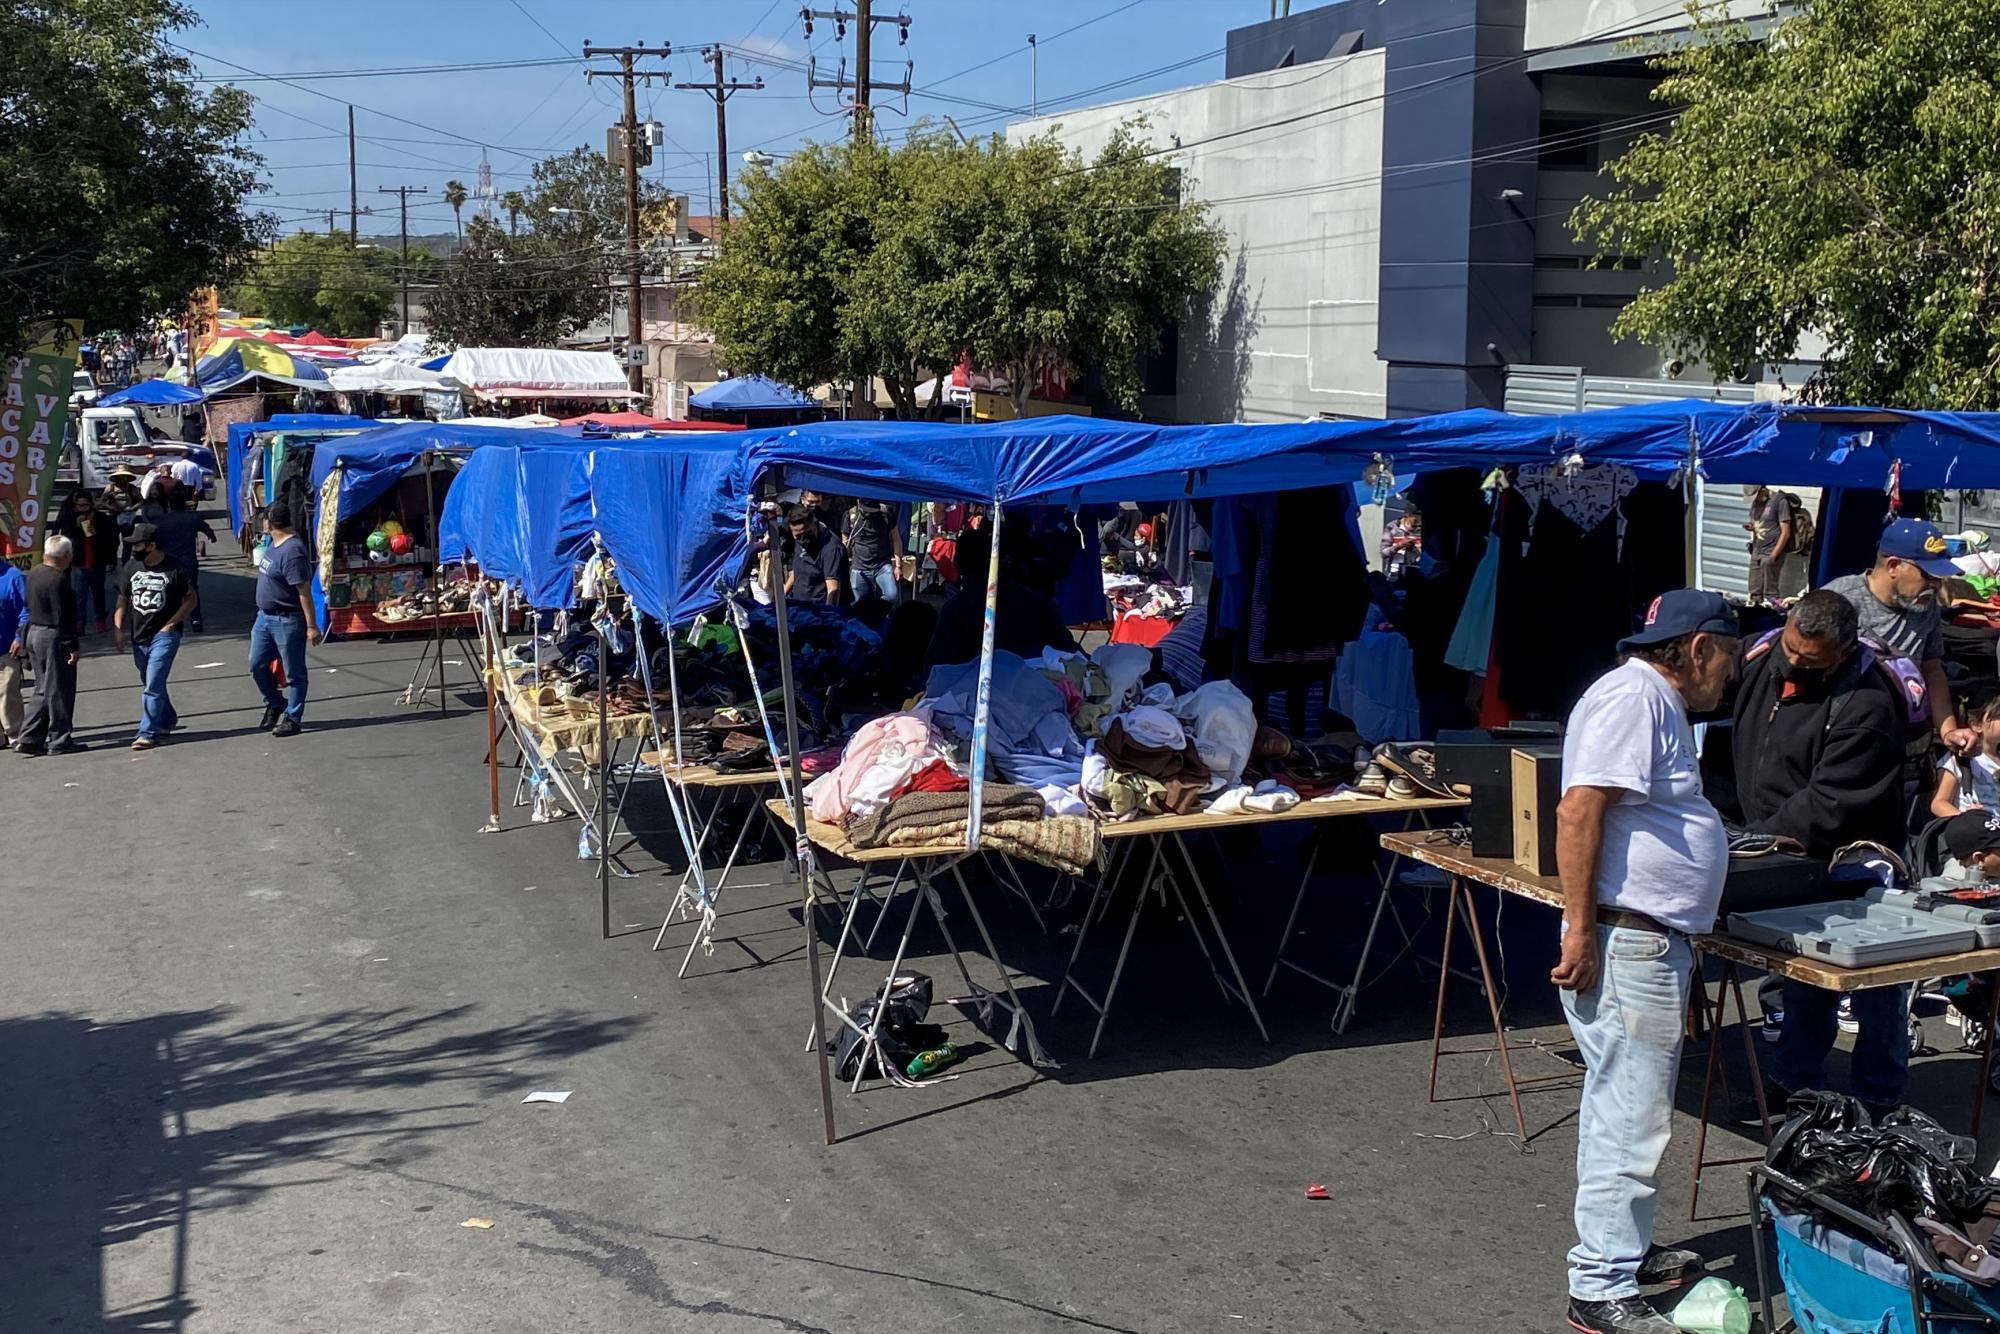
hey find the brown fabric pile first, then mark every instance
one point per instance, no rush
(1012, 823)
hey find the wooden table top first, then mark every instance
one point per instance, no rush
(1505, 876)
(1305, 810)
(707, 775)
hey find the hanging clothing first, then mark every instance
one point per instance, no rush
(1311, 585)
(1471, 644)
(1375, 685)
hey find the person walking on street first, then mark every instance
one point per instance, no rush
(93, 536)
(154, 597)
(180, 534)
(874, 550)
(51, 641)
(1641, 856)
(285, 624)
(14, 631)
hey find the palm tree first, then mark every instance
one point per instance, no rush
(515, 206)
(454, 194)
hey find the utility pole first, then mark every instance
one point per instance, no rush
(865, 82)
(1034, 63)
(720, 91)
(628, 73)
(403, 193)
(353, 194)
(329, 221)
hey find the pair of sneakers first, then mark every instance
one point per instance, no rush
(1400, 772)
(278, 723)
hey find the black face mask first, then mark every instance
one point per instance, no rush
(1805, 680)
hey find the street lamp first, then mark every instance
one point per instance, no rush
(754, 158)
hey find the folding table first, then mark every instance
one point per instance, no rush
(1466, 870)
(1161, 877)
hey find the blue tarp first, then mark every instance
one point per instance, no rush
(1786, 444)
(155, 393)
(435, 363)
(242, 434)
(520, 511)
(749, 393)
(670, 511)
(669, 508)
(371, 462)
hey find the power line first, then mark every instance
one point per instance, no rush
(379, 72)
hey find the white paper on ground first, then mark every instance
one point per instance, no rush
(204, 666)
(543, 1095)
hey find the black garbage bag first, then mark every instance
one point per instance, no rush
(904, 1001)
(1908, 1165)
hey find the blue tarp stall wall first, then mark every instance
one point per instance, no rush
(670, 510)
(521, 513)
(242, 437)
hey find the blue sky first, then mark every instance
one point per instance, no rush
(963, 49)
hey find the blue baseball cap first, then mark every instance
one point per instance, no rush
(1919, 543)
(1685, 611)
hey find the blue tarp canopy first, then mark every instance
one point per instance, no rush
(316, 425)
(520, 511)
(1082, 460)
(371, 462)
(154, 393)
(670, 511)
(668, 508)
(749, 393)
(1795, 445)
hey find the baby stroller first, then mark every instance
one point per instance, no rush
(1859, 1278)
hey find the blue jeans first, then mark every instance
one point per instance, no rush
(1881, 1063)
(154, 659)
(881, 579)
(1629, 1029)
(283, 638)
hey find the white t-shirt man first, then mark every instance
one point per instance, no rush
(1665, 853)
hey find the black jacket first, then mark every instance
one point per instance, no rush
(1825, 770)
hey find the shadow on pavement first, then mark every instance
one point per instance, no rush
(115, 1132)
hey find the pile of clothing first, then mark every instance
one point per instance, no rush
(1169, 754)
(899, 783)
(1029, 739)
(1148, 599)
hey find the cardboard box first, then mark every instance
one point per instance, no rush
(1537, 790)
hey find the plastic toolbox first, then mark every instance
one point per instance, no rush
(1853, 934)
(1984, 921)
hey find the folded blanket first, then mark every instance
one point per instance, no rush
(1067, 843)
(917, 814)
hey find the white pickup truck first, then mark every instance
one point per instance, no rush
(108, 438)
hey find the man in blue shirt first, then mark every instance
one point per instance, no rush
(13, 645)
(285, 624)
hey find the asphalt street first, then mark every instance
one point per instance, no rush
(269, 1008)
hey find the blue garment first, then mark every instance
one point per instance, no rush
(1629, 1029)
(155, 659)
(282, 637)
(13, 605)
(1028, 734)
(1234, 563)
(1471, 646)
(1881, 1063)
(286, 566)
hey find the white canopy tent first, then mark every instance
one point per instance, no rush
(538, 372)
(387, 377)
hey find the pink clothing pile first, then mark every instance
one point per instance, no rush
(882, 761)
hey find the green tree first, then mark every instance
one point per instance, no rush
(499, 290)
(307, 278)
(860, 259)
(454, 195)
(514, 202)
(124, 180)
(1841, 179)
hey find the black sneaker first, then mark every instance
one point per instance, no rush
(1415, 763)
(1669, 1267)
(22, 748)
(270, 719)
(68, 748)
(287, 726)
(1620, 1315)
(1743, 1111)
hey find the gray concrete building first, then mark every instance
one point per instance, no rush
(1396, 181)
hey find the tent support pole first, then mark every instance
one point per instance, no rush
(490, 676)
(1691, 498)
(437, 579)
(803, 845)
(604, 811)
(982, 708)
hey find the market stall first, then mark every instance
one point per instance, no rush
(547, 377)
(378, 496)
(261, 455)
(752, 400)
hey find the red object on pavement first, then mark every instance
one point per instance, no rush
(1145, 631)
(1318, 1192)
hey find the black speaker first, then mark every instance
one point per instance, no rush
(1480, 764)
